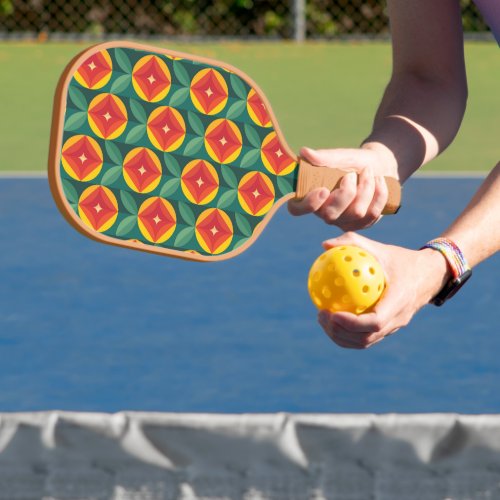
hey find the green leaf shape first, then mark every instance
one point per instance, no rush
(179, 96)
(187, 214)
(253, 136)
(77, 98)
(113, 152)
(181, 73)
(236, 109)
(120, 84)
(184, 237)
(75, 121)
(138, 111)
(196, 124)
(284, 185)
(74, 206)
(238, 86)
(69, 191)
(126, 225)
(229, 177)
(239, 243)
(128, 202)
(172, 164)
(251, 158)
(136, 134)
(170, 187)
(243, 224)
(123, 60)
(111, 175)
(193, 146)
(227, 198)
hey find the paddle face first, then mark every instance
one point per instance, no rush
(164, 152)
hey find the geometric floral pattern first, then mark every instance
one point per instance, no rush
(170, 152)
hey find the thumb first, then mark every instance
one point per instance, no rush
(349, 159)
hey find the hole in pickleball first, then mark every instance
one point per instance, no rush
(362, 254)
(339, 281)
(327, 293)
(330, 268)
(356, 273)
(336, 306)
(346, 299)
(359, 310)
(317, 301)
(317, 276)
(379, 287)
(372, 270)
(348, 258)
(366, 289)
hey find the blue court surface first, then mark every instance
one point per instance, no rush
(90, 327)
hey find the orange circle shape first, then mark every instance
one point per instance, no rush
(274, 156)
(214, 230)
(98, 208)
(209, 91)
(157, 219)
(256, 193)
(166, 128)
(142, 170)
(95, 71)
(199, 182)
(257, 109)
(151, 78)
(107, 116)
(82, 158)
(223, 141)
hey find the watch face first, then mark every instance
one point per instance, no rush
(451, 288)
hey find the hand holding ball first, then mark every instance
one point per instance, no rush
(346, 278)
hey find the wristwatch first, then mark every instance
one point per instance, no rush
(460, 270)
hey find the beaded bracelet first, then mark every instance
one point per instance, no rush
(458, 265)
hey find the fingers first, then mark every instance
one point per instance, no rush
(352, 238)
(311, 203)
(339, 199)
(355, 332)
(365, 208)
(359, 200)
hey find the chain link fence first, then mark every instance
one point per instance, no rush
(284, 19)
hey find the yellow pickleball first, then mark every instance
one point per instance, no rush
(346, 278)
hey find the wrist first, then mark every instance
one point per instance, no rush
(388, 165)
(437, 273)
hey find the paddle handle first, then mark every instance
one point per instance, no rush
(311, 177)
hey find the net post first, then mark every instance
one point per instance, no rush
(299, 20)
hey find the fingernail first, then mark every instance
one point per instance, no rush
(323, 194)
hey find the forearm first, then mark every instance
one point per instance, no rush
(477, 230)
(416, 121)
(424, 103)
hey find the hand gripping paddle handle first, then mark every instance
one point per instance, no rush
(312, 177)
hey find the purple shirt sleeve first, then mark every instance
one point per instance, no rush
(490, 9)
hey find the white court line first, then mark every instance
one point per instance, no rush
(35, 174)
(454, 174)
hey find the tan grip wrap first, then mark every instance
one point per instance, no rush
(313, 177)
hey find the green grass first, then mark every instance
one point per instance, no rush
(323, 94)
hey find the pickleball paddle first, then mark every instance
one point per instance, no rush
(170, 153)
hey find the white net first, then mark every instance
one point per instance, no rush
(153, 456)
